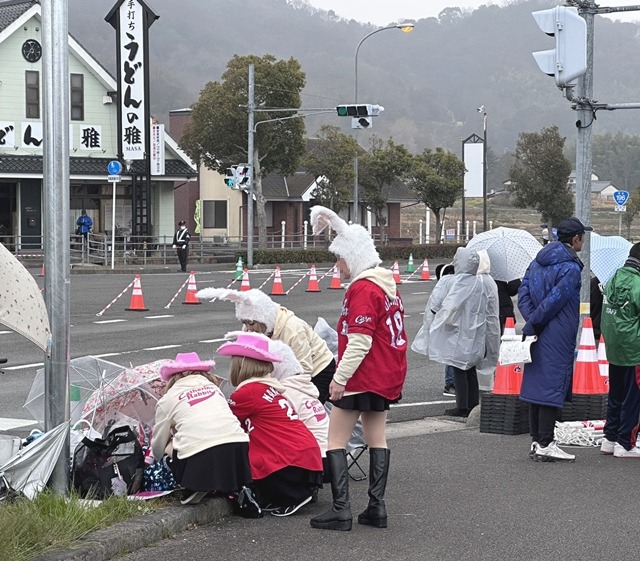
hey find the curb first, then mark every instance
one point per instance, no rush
(135, 533)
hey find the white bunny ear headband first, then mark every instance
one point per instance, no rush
(321, 217)
(211, 293)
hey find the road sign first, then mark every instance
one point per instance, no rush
(113, 178)
(114, 167)
(621, 197)
(621, 208)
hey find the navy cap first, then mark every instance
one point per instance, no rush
(572, 227)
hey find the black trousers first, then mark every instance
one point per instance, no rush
(467, 392)
(182, 257)
(542, 423)
(623, 407)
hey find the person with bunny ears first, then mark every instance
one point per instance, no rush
(371, 368)
(285, 458)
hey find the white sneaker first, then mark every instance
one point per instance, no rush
(534, 447)
(620, 451)
(607, 446)
(552, 453)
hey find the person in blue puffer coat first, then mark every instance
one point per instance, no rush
(549, 300)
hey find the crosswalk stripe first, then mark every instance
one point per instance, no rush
(7, 423)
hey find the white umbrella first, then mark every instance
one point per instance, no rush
(608, 254)
(509, 249)
(22, 307)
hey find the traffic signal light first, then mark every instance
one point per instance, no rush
(361, 122)
(230, 177)
(568, 61)
(242, 176)
(359, 110)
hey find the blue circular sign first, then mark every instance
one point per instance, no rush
(114, 167)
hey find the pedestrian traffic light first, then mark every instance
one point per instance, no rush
(230, 177)
(242, 176)
(361, 122)
(359, 110)
(568, 61)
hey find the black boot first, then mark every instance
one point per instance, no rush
(376, 513)
(339, 517)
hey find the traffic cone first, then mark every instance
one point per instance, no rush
(136, 304)
(244, 286)
(586, 374)
(396, 273)
(410, 267)
(239, 269)
(42, 272)
(277, 284)
(335, 279)
(425, 275)
(603, 365)
(313, 281)
(508, 378)
(191, 297)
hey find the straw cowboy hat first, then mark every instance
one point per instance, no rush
(250, 345)
(185, 362)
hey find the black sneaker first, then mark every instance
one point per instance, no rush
(289, 510)
(449, 390)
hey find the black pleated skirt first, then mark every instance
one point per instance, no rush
(224, 468)
(287, 486)
(366, 401)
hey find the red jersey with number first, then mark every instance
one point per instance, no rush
(277, 437)
(378, 312)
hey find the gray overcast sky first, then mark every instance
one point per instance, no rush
(382, 12)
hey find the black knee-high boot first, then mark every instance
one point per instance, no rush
(339, 517)
(376, 512)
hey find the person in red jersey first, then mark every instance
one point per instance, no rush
(286, 464)
(371, 369)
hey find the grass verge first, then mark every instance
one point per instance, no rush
(51, 522)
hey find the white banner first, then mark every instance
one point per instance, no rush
(473, 162)
(157, 149)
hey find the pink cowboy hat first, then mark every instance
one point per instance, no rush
(185, 362)
(251, 345)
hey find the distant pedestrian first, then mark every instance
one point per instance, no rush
(84, 224)
(181, 244)
(621, 329)
(549, 300)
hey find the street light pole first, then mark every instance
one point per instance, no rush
(482, 110)
(405, 27)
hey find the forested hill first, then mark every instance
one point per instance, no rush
(430, 81)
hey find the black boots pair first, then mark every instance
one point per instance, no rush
(339, 517)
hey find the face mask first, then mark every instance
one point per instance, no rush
(183, 227)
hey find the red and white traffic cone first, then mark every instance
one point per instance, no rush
(313, 285)
(586, 373)
(603, 365)
(425, 275)
(136, 304)
(335, 279)
(277, 289)
(244, 286)
(396, 273)
(508, 378)
(191, 297)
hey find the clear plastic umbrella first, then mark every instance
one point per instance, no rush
(510, 251)
(608, 254)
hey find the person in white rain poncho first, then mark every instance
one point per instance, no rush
(461, 326)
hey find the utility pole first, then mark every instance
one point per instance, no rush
(250, 161)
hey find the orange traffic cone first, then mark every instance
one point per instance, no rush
(603, 365)
(313, 285)
(42, 272)
(335, 279)
(508, 378)
(136, 304)
(244, 286)
(425, 275)
(191, 297)
(277, 284)
(586, 374)
(396, 273)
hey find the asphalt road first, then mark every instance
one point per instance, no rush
(133, 338)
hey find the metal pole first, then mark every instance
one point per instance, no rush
(484, 172)
(113, 226)
(55, 70)
(250, 161)
(463, 193)
(584, 160)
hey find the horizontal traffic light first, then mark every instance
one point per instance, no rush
(359, 110)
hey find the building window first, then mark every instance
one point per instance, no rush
(77, 97)
(214, 214)
(32, 94)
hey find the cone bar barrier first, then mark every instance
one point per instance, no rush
(410, 266)
(245, 281)
(396, 273)
(266, 280)
(115, 299)
(313, 285)
(190, 297)
(425, 275)
(136, 304)
(298, 281)
(508, 378)
(277, 289)
(336, 284)
(177, 293)
(586, 373)
(239, 269)
(603, 365)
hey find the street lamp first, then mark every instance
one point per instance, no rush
(482, 110)
(405, 27)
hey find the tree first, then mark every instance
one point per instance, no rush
(437, 179)
(539, 175)
(633, 207)
(216, 135)
(330, 159)
(382, 167)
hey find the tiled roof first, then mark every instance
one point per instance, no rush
(275, 186)
(84, 166)
(12, 10)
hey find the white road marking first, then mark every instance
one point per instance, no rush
(110, 321)
(158, 317)
(7, 424)
(23, 366)
(107, 354)
(5, 332)
(421, 403)
(161, 348)
(213, 340)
